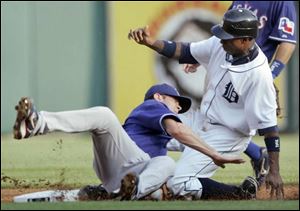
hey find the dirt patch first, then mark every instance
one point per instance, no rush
(291, 193)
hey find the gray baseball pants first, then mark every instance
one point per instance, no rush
(115, 154)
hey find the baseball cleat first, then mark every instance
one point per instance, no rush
(248, 188)
(128, 187)
(26, 120)
(261, 168)
(94, 193)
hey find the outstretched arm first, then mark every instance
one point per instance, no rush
(185, 136)
(167, 48)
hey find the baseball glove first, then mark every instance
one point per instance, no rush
(278, 110)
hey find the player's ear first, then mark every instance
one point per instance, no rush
(157, 97)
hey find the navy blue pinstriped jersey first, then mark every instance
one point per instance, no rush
(277, 23)
(144, 126)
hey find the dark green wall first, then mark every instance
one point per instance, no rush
(54, 52)
(293, 84)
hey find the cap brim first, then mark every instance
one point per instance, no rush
(218, 31)
(184, 102)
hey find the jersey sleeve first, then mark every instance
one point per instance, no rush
(260, 103)
(201, 50)
(151, 114)
(285, 22)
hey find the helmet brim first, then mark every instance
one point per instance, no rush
(219, 32)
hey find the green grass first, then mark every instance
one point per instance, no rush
(148, 205)
(289, 162)
(51, 158)
(67, 159)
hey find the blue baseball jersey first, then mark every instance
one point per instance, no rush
(277, 23)
(144, 126)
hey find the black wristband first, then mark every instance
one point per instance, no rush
(272, 144)
(169, 49)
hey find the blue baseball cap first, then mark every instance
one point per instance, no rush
(165, 89)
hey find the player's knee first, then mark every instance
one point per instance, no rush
(185, 187)
(175, 185)
(105, 114)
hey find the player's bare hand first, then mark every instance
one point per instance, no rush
(275, 183)
(190, 68)
(221, 160)
(141, 35)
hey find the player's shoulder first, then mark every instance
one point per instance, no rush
(261, 65)
(210, 42)
(149, 108)
(289, 4)
(262, 69)
(284, 8)
(151, 105)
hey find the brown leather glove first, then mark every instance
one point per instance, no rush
(278, 110)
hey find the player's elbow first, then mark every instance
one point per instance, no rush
(177, 131)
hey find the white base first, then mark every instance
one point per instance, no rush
(48, 196)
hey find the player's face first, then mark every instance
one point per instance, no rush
(234, 47)
(172, 103)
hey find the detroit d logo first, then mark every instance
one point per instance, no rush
(230, 94)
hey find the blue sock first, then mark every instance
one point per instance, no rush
(215, 190)
(253, 151)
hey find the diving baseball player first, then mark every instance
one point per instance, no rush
(239, 100)
(119, 162)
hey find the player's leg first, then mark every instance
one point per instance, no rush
(195, 187)
(156, 173)
(217, 191)
(115, 154)
(206, 188)
(259, 160)
(193, 165)
(30, 122)
(253, 151)
(150, 179)
(185, 182)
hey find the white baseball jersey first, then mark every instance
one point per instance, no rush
(240, 97)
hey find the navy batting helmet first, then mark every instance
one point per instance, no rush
(237, 23)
